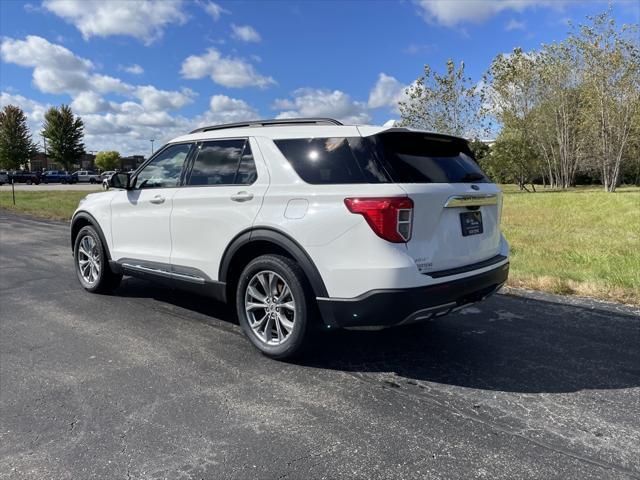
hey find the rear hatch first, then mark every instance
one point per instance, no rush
(456, 217)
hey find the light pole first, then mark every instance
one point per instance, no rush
(152, 140)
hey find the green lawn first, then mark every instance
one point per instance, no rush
(582, 241)
(52, 204)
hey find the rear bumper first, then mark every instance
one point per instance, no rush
(399, 306)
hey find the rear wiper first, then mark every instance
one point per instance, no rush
(471, 177)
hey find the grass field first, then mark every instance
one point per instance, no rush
(582, 241)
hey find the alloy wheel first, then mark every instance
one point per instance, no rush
(270, 307)
(89, 259)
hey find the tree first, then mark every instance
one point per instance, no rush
(64, 133)
(511, 94)
(107, 160)
(16, 147)
(610, 61)
(512, 159)
(447, 103)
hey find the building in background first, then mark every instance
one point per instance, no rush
(131, 162)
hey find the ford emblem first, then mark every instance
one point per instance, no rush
(475, 187)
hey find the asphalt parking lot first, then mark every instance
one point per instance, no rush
(149, 383)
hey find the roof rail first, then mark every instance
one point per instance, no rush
(265, 123)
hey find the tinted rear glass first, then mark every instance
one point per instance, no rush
(423, 158)
(333, 160)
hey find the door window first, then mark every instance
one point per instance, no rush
(164, 170)
(223, 162)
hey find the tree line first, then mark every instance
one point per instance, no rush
(62, 131)
(567, 113)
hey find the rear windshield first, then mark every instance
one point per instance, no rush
(321, 161)
(424, 158)
(400, 157)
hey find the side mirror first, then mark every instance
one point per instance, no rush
(120, 180)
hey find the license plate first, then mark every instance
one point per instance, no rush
(471, 223)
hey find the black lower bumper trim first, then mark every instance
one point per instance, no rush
(395, 306)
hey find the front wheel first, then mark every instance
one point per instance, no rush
(274, 307)
(92, 266)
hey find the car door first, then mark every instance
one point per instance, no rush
(140, 216)
(221, 196)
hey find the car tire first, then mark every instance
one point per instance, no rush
(91, 263)
(290, 319)
(63, 181)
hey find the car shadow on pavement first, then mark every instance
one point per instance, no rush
(507, 343)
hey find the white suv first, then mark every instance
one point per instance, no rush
(302, 223)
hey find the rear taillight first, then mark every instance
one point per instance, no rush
(390, 218)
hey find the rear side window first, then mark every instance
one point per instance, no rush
(335, 160)
(223, 162)
(423, 158)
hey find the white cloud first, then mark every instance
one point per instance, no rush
(57, 70)
(387, 92)
(128, 126)
(154, 99)
(514, 24)
(246, 33)
(213, 9)
(133, 69)
(144, 20)
(90, 102)
(223, 109)
(312, 102)
(226, 71)
(451, 13)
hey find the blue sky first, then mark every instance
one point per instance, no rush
(137, 70)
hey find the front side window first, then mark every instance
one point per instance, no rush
(336, 160)
(223, 162)
(164, 170)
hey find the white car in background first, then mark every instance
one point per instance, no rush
(87, 176)
(105, 176)
(302, 223)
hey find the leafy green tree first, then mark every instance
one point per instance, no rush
(448, 103)
(610, 61)
(16, 147)
(107, 160)
(64, 133)
(511, 94)
(512, 159)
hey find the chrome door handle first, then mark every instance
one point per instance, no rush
(242, 197)
(157, 199)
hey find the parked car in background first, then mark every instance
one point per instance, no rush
(58, 176)
(23, 176)
(89, 176)
(4, 177)
(105, 178)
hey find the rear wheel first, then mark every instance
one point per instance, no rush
(91, 263)
(274, 307)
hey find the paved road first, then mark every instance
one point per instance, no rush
(148, 383)
(52, 186)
